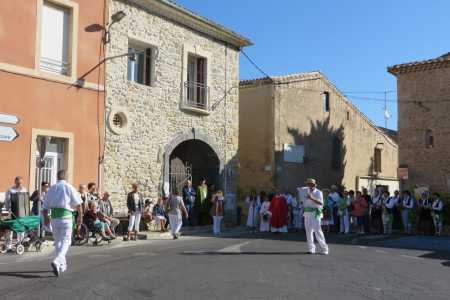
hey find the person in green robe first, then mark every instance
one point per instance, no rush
(201, 202)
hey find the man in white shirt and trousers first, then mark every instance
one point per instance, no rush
(313, 212)
(62, 199)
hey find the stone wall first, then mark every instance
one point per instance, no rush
(256, 137)
(424, 104)
(153, 112)
(300, 118)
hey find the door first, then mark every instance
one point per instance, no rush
(49, 171)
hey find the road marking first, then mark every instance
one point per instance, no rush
(381, 251)
(234, 248)
(144, 254)
(412, 257)
(99, 255)
(362, 247)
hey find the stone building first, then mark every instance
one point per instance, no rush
(298, 126)
(423, 89)
(172, 106)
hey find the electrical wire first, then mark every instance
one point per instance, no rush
(256, 66)
(347, 94)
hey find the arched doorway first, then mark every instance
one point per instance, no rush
(193, 160)
(191, 155)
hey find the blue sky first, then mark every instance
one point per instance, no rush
(350, 41)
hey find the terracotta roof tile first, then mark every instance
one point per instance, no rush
(438, 62)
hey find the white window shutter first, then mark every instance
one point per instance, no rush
(55, 39)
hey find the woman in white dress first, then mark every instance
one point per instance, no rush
(265, 214)
(254, 204)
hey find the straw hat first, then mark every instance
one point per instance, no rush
(311, 181)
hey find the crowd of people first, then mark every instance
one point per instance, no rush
(307, 209)
(347, 211)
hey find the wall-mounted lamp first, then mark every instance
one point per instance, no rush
(115, 18)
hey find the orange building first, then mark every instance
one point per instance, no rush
(52, 90)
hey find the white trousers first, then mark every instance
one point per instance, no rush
(344, 223)
(387, 223)
(134, 221)
(175, 224)
(62, 235)
(313, 228)
(217, 221)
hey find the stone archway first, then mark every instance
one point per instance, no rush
(198, 147)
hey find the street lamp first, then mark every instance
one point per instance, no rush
(115, 18)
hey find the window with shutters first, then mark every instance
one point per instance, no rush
(196, 85)
(141, 65)
(55, 38)
(377, 160)
(336, 154)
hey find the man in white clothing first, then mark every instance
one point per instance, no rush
(313, 207)
(17, 188)
(62, 200)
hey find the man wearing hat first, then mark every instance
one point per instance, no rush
(313, 208)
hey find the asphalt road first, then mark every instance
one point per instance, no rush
(236, 266)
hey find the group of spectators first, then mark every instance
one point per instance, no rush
(347, 211)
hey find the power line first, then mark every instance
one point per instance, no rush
(370, 98)
(347, 93)
(255, 65)
(378, 92)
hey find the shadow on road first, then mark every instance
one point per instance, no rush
(438, 247)
(27, 274)
(244, 253)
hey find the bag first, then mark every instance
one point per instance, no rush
(168, 205)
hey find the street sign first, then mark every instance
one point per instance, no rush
(10, 119)
(8, 134)
(403, 173)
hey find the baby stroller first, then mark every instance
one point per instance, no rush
(28, 225)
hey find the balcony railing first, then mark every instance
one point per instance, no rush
(55, 66)
(196, 96)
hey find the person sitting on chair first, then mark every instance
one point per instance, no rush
(159, 214)
(93, 222)
(106, 210)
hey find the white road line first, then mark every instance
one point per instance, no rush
(381, 251)
(234, 248)
(412, 257)
(99, 255)
(362, 247)
(144, 254)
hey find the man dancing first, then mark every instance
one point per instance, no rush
(62, 199)
(313, 204)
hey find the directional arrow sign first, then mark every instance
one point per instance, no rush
(10, 119)
(7, 134)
